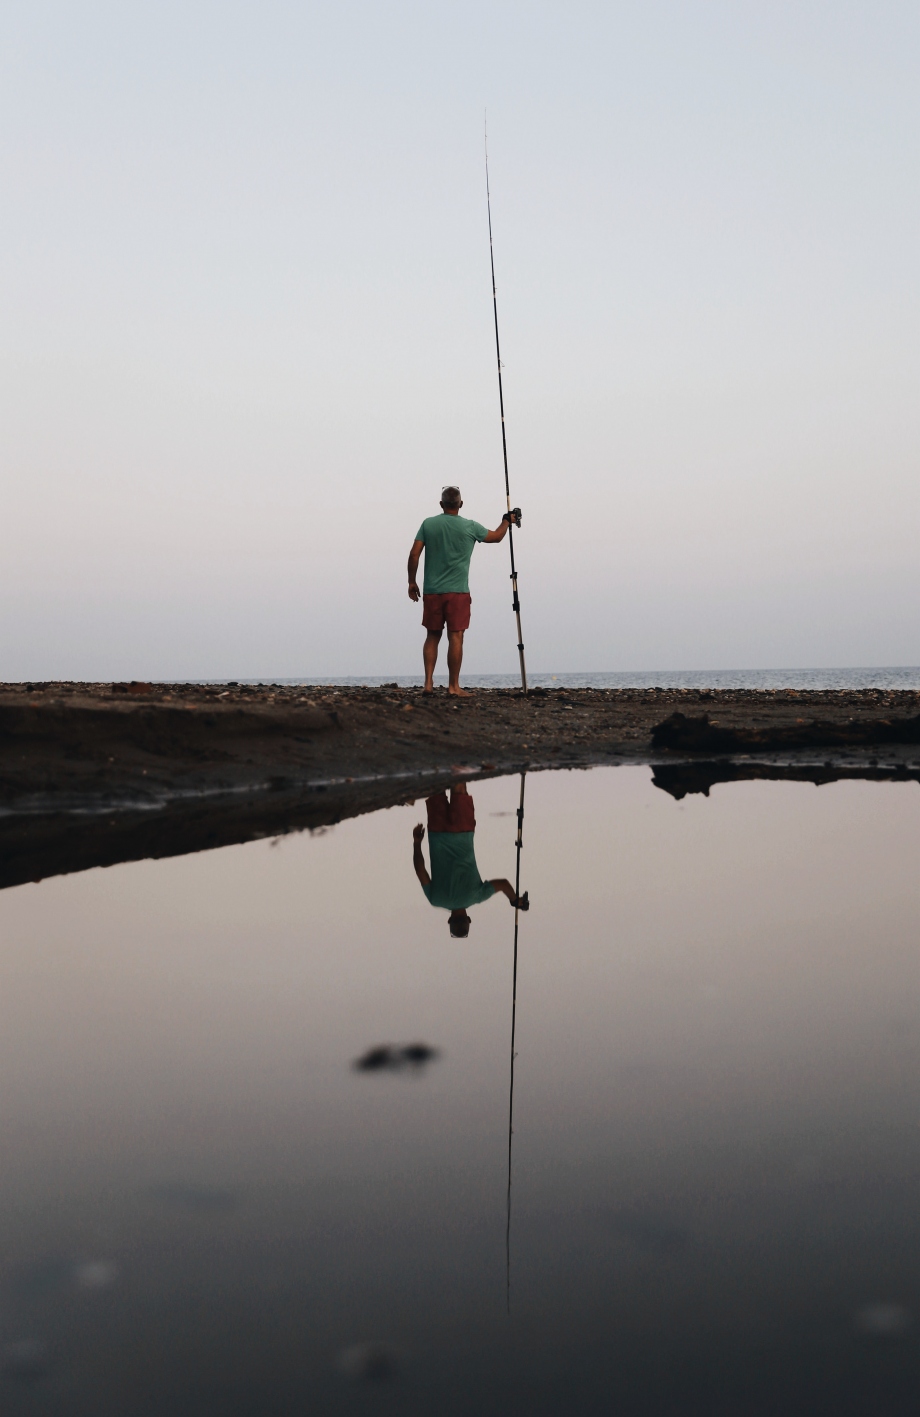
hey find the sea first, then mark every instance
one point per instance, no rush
(887, 678)
(277, 1140)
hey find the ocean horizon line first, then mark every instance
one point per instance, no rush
(890, 677)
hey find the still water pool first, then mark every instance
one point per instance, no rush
(207, 1208)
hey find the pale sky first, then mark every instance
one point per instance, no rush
(245, 331)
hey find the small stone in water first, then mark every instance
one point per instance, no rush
(393, 1058)
(25, 1360)
(375, 1058)
(96, 1274)
(418, 1053)
(367, 1362)
(883, 1320)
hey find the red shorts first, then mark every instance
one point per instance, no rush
(457, 815)
(452, 608)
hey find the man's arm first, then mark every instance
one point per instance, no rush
(414, 556)
(418, 860)
(499, 533)
(507, 889)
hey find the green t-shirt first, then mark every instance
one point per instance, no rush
(449, 543)
(455, 880)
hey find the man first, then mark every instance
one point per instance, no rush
(448, 542)
(455, 883)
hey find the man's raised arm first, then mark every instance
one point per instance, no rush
(506, 888)
(499, 533)
(414, 556)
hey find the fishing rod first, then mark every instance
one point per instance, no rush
(513, 515)
(517, 896)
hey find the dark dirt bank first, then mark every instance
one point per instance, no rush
(91, 774)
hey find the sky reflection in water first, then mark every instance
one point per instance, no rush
(211, 1202)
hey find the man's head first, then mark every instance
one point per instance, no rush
(459, 923)
(451, 501)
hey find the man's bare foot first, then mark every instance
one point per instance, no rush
(459, 693)
(428, 689)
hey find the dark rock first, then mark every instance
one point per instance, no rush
(388, 1057)
(419, 1053)
(683, 779)
(697, 735)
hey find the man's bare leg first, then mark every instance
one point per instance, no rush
(430, 658)
(454, 661)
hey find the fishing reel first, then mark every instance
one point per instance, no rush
(513, 516)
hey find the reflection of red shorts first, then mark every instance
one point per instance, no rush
(453, 607)
(457, 815)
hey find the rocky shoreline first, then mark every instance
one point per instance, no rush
(91, 774)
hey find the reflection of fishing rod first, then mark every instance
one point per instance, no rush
(517, 896)
(513, 515)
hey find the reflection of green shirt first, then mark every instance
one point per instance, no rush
(449, 543)
(455, 880)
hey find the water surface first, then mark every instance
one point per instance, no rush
(906, 678)
(206, 1207)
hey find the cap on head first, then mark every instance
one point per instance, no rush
(450, 496)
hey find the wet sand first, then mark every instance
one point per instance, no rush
(91, 774)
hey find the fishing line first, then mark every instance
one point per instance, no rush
(517, 896)
(513, 515)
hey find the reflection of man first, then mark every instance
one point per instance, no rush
(455, 883)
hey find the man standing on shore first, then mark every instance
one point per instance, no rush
(448, 542)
